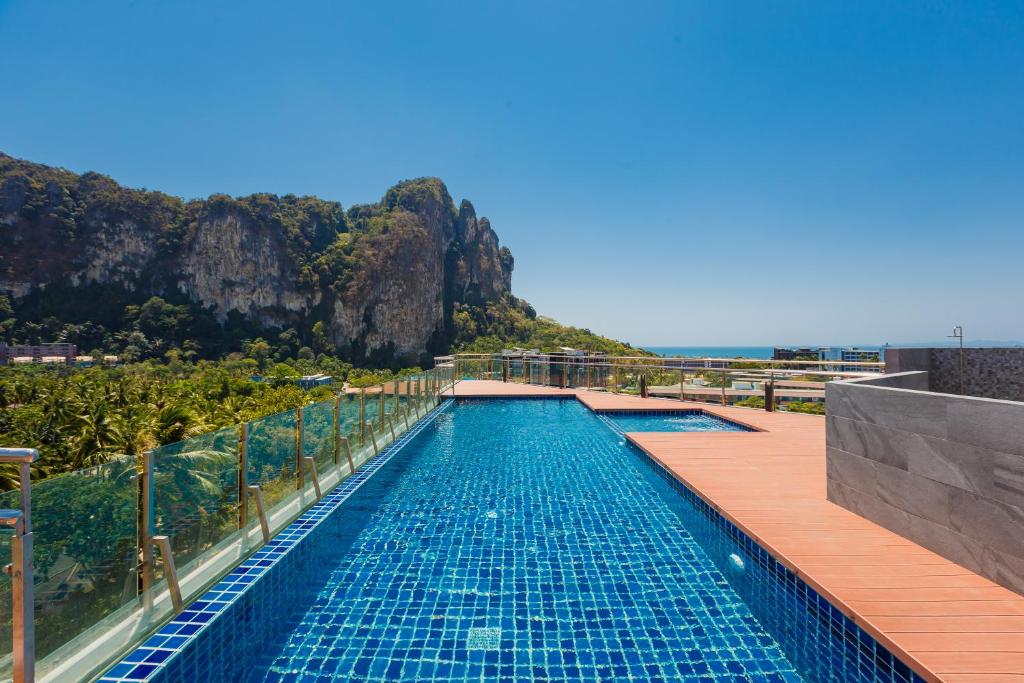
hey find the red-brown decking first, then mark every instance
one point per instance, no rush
(947, 622)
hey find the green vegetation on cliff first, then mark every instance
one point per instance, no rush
(514, 323)
(143, 274)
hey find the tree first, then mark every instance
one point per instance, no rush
(259, 350)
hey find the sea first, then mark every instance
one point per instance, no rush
(727, 351)
(766, 351)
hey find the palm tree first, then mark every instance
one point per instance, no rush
(98, 437)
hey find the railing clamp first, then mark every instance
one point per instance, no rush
(261, 510)
(310, 464)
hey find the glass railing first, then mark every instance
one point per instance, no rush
(95, 594)
(797, 386)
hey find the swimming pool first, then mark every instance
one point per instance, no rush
(672, 421)
(515, 540)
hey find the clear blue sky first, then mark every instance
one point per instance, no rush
(673, 173)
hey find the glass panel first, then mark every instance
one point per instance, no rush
(84, 533)
(270, 451)
(318, 434)
(195, 492)
(348, 420)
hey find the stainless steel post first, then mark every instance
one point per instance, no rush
(382, 406)
(362, 417)
(298, 449)
(146, 530)
(310, 463)
(373, 438)
(243, 474)
(348, 454)
(261, 510)
(170, 572)
(23, 636)
(337, 430)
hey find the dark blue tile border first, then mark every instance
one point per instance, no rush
(148, 660)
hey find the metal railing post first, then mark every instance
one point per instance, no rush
(23, 636)
(243, 475)
(348, 454)
(682, 381)
(170, 572)
(261, 510)
(298, 448)
(310, 462)
(146, 529)
(337, 430)
(362, 416)
(381, 406)
(373, 438)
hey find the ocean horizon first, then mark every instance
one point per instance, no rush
(760, 352)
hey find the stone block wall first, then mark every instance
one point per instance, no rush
(944, 471)
(989, 373)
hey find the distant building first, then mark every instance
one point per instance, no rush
(40, 353)
(832, 355)
(310, 381)
(801, 353)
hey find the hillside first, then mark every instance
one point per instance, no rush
(86, 260)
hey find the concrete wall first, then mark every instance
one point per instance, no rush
(989, 373)
(944, 471)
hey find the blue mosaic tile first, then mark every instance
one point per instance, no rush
(514, 540)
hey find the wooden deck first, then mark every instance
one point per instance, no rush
(947, 622)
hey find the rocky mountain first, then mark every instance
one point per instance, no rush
(375, 284)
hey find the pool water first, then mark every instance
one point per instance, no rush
(519, 540)
(672, 421)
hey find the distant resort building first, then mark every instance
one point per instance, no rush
(830, 354)
(40, 353)
(304, 382)
(310, 381)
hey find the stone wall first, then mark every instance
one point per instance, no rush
(944, 471)
(990, 373)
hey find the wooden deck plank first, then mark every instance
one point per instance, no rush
(946, 621)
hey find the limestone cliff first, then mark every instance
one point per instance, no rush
(382, 279)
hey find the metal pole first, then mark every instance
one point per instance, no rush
(337, 430)
(243, 475)
(261, 510)
(362, 417)
(23, 636)
(373, 438)
(348, 454)
(170, 572)
(380, 403)
(298, 449)
(310, 462)
(146, 530)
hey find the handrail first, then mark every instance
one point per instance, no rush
(667, 362)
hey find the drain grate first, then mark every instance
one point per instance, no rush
(488, 638)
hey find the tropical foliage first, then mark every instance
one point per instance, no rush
(513, 322)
